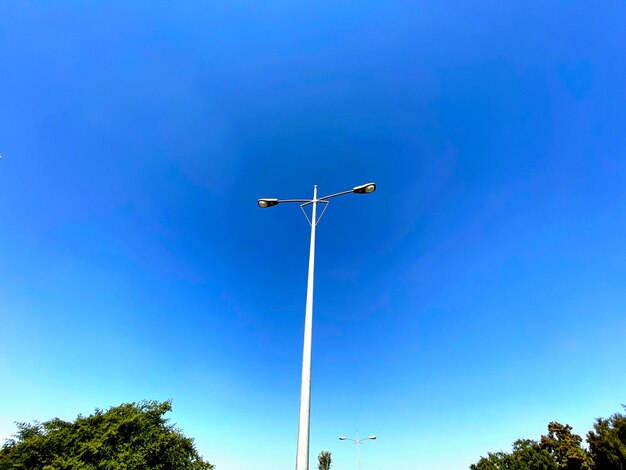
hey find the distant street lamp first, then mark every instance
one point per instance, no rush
(358, 442)
(302, 454)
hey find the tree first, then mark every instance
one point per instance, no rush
(607, 443)
(324, 460)
(566, 447)
(497, 461)
(130, 436)
(527, 455)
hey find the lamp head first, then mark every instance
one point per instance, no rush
(342, 438)
(267, 202)
(364, 188)
(372, 437)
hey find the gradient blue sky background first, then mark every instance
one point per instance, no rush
(476, 296)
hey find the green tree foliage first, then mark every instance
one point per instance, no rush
(324, 460)
(566, 447)
(527, 455)
(560, 449)
(127, 437)
(607, 443)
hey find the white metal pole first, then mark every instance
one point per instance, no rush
(358, 445)
(302, 453)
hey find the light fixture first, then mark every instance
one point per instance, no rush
(357, 441)
(364, 188)
(266, 202)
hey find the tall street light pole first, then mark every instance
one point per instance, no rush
(304, 424)
(358, 442)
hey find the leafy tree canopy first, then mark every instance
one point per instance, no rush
(126, 437)
(527, 455)
(324, 460)
(566, 447)
(607, 443)
(562, 449)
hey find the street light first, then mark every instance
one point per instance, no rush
(302, 453)
(358, 442)
(365, 188)
(263, 203)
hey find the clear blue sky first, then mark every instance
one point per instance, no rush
(476, 296)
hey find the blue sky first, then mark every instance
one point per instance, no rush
(476, 296)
